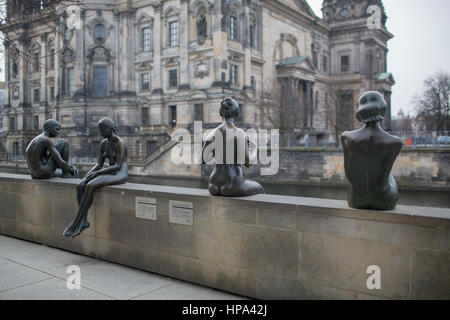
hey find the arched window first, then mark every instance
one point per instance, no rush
(253, 33)
(202, 24)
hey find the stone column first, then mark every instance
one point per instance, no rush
(43, 68)
(126, 25)
(79, 70)
(311, 105)
(23, 72)
(157, 34)
(387, 118)
(184, 44)
(219, 41)
(289, 101)
(247, 48)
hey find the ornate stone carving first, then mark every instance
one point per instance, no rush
(202, 69)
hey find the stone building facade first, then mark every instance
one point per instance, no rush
(156, 65)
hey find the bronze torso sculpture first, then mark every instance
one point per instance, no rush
(112, 148)
(227, 179)
(44, 157)
(369, 154)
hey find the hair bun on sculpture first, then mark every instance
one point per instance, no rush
(371, 107)
(229, 108)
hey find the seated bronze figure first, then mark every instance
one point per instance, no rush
(227, 179)
(44, 156)
(112, 148)
(369, 155)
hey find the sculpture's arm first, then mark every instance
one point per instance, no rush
(100, 162)
(247, 152)
(209, 139)
(55, 154)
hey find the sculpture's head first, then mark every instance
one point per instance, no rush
(106, 127)
(229, 108)
(371, 107)
(52, 127)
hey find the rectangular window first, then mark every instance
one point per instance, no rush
(151, 147)
(52, 93)
(52, 59)
(252, 36)
(173, 115)
(100, 78)
(70, 82)
(12, 123)
(173, 78)
(145, 40)
(173, 33)
(233, 28)
(145, 81)
(234, 74)
(325, 64)
(345, 63)
(36, 97)
(36, 123)
(16, 149)
(36, 62)
(144, 116)
(198, 112)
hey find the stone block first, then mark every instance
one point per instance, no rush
(343, 262)
(263, 249)
(404, 234)
(8, 205)
(34, 210)
(430, 278)
(230, 212)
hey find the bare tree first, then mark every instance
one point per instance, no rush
(338, 111)
(433, 104)
(278, 110)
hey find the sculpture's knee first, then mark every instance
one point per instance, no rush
(80, 187)
(62, 145)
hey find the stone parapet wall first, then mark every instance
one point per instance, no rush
(266, 246)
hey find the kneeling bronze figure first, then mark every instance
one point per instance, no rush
(227, 178)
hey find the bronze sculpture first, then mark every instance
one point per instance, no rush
(44, 156)
(227, 179)
(112, 148)
(369, 154)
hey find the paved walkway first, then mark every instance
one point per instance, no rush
(33, 271)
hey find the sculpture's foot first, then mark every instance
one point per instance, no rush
(70, 230)
(84, 224)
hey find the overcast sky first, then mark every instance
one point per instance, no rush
(420, 47)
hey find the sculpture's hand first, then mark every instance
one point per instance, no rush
(91, 176)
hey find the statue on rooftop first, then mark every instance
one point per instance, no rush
(369, 155)
(227, 178)
(112, 148)
(44, 156)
